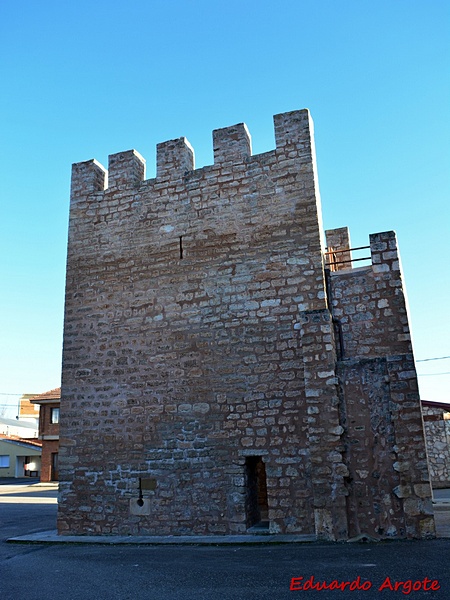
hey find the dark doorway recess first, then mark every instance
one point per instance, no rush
(55, 471)
(256, 505)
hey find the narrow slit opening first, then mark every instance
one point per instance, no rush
(181, 247)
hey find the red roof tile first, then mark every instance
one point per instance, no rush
(51, 395)
(16, 438)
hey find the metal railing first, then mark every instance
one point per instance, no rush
(332, 260)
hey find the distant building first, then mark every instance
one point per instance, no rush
(19, 457)
(21, 428)
(49, 404)
(27, 411)
(436, 416)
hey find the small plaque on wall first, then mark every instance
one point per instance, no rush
(148, 484)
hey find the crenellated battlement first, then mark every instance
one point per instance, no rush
(232, 144)
(174, 158)
(293, 128)
(87, 178)
(125, 168)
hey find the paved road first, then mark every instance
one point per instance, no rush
(81, 572)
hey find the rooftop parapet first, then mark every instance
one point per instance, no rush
(174, 158)
(125, 168)
(338, 238)
(293, 131)
(338, 255)
(293, 128)
(87, 178)
(232, 144)
(384, 251)
(384, 254)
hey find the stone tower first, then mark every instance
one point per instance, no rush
(221, 373)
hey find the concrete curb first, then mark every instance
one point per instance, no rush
(51, 537)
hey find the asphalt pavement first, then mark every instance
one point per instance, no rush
(419, 569)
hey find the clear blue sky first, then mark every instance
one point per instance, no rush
(83, 79)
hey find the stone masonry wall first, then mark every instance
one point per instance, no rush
(388, 487)
(201, 355)
(182, 352)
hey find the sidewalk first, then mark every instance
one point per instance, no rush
(18, 487)
(19, 481)
(51, 537)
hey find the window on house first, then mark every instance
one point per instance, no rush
(4, 460)
(54, 415)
